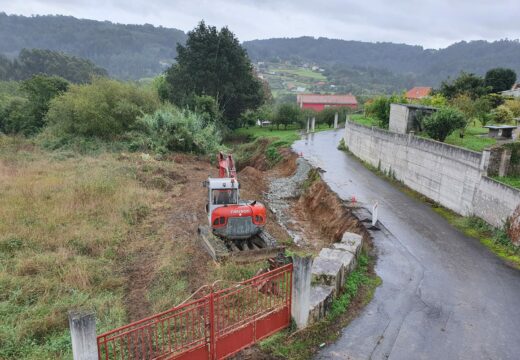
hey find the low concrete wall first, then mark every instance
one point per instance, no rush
(494, 201)
(449, 175)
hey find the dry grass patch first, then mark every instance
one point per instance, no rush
(63, 220)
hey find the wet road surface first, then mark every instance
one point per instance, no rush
(444, 295)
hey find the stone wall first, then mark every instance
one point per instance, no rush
(446, 174)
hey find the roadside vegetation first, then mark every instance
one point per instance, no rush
(358, 291)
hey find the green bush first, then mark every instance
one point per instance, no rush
(502, 115)
(104, 109)
(379, 108)
(443, 122)
(16, 117)
(170, 129)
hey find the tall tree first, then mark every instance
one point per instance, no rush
(40, 90)
(214, 63)
(500, 79)
(470, 84)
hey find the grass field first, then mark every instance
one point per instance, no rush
(509, 180)
(471, 139)
(305, 73)
(96, 232)
(361, 119)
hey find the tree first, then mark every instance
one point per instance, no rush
(40, 90)
(470, 84)
(213, 63)
(15, 117)
(52, 63)
(287, 114)
(443, 122)
(327, 115)
(500, 79)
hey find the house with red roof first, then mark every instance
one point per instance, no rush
(319, 102)
(418, 92)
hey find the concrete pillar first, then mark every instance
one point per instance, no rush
(83, 334)
(484, 161)
(336, 120)
(347, 119)
(313, 124)
(308, 124)
(505, 159)
(301, 290)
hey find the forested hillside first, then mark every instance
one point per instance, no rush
(126, 51)
(53, 63)
(424, 66)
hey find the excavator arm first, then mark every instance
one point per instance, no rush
(226, 166)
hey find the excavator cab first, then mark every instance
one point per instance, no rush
(228, 216)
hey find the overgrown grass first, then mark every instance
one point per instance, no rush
(62, 220)
(361, 119)
(513, 181)
(359, 287)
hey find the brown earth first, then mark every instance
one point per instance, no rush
(167, 232)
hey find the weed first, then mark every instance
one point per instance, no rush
(303, 344)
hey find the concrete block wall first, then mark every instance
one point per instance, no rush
(449, 175)
(494, 201)
(330, 270)
(399, 117)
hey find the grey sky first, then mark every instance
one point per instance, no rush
(429, 23)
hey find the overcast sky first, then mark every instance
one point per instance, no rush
(429, 23)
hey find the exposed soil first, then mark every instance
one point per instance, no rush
(169, 229)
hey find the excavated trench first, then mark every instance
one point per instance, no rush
(311, 213)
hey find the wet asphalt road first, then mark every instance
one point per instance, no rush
(444, 295)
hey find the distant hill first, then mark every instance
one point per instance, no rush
(38, 61)
(126, 51)
(425, 66)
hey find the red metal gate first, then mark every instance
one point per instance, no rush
(213, 327)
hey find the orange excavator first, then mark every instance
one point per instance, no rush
(235, 226)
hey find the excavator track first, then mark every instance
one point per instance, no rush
(258, 247)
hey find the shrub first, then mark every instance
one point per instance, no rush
(514, 106)
(170, 129)
(502, 115)
(441, 123)
(15, 116)
(104, 109)
(379, 108)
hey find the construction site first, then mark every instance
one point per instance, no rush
(225, 226)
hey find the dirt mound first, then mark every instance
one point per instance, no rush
(322, 215)
(514, 228)
(250, 172)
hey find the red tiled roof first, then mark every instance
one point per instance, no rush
(418, 92)
(326, 99)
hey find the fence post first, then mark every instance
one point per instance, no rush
(212, 339)
(301, 290)
(83, 334)
(336, 120)
(313, 124)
